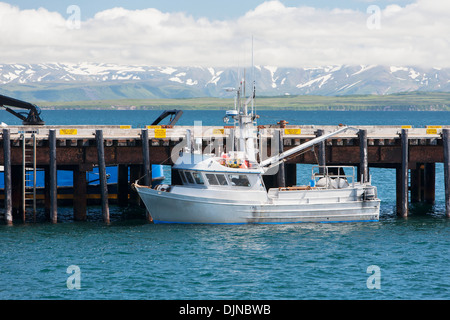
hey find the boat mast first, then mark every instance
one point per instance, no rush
(246, 127)
(243, 121)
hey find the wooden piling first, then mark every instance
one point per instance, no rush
(281, 175)
(403, 208)
(79, 194)
(321, 153)
(446, 145)
(102, 175)
(146, 157)
(53, 176)
(146, 166)
(7, 176)
(363, 157)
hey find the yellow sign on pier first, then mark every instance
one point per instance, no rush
(292, 131)
(68, 132)
(160, 133)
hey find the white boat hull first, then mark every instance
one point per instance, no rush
(300, 206)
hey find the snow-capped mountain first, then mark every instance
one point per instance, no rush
(91, 81)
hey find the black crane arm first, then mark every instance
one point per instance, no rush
(33, 118)
(174, 116)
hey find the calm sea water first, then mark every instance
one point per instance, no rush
(131, 259)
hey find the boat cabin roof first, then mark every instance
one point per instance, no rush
(204, 162)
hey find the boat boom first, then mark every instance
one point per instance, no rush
(283, 155)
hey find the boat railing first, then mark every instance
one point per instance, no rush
(333, 176)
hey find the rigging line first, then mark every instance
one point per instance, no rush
(149, 172)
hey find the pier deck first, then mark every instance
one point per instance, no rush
(413, 152)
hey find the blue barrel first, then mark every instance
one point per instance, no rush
(157, 172)
(312, 183)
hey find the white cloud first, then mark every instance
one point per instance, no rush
(414, 34)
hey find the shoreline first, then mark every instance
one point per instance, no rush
(415, 101)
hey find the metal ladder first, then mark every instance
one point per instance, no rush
(28, 174)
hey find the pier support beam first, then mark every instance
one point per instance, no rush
(7, 176)
(102, 174)
(363, 157)
(446, 145)
(53, 179)
(79, 194)
(402, 177)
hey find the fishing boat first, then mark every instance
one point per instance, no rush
(229, 188)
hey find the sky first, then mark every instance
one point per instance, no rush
(212, 9)
(290, 33)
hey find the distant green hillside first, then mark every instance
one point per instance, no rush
(433, 101)
(75, 91)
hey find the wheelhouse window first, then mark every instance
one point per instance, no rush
(239, 180)
(212, 179)
(216, 179)
(198, 178)
(222, 180)
(189, 177)
(183, 178)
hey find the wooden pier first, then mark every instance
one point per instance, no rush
(412, 152)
